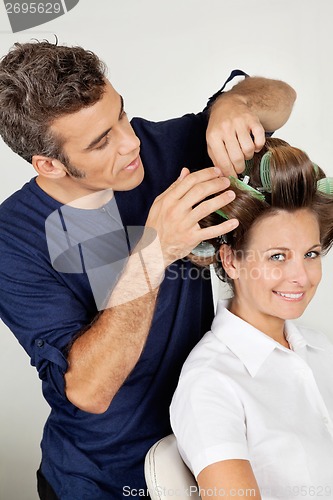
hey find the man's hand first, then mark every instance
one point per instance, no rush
(238, 120)
(176, 221)
(229, 134)
(103, 356)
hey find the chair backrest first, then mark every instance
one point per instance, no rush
(166, 474)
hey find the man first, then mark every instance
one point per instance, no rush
(108, 330)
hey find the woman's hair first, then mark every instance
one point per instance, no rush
(39, 82)
(293, 186)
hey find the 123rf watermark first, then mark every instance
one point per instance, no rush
(24, 14)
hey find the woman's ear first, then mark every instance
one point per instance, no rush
(48, 167)
(229, 261)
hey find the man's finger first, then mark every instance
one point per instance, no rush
(184, 173)
(200, 192)
(246, 143)
(198, 178)
(235, 154)
(259, 137)
(218, 229)
(207, 207)
(219, 156)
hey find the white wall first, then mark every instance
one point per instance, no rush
(166, 57)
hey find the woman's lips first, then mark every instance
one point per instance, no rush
(290, 296)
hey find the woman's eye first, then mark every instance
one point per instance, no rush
(312, 255)
(278, 257)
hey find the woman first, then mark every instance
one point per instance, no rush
(253, 411)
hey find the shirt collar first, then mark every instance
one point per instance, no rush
(298, 341)
(250, 345)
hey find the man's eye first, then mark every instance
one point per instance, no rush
(277, 257)
(102, 146)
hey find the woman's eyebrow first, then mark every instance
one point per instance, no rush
(285, 249)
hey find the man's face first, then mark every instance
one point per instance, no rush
(101, 146)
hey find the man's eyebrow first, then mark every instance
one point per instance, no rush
(103, 134)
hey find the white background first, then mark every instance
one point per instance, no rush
(166, 57)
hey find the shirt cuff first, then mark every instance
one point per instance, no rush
(225, 451)
(233, 74)
(51, 365)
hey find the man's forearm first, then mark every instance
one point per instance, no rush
(271, 100)
(101, 358)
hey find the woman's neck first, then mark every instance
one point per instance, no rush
(271, 326)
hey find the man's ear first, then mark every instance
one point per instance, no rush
(229, 261)
(48, 167)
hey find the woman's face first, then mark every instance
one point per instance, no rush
(278, 274)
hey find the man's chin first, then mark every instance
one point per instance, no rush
(132, 182)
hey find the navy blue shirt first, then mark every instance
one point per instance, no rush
(46, 304)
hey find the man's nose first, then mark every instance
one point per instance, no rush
(127, 140)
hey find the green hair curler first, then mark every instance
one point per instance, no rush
(265, 171)
(248, 167)
(325, 185)
(234, 182)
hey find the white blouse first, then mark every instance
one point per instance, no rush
(242, 395)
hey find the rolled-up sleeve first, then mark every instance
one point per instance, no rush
(51, 364)
(43, 313)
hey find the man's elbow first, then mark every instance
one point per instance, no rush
(289, 98)
(282, 110)
(291, 95)
(87, 402)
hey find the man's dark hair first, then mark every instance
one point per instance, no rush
(39, 82)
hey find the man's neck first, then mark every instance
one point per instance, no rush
(74, 196)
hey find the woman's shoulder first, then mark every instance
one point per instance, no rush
(209, 365)
(315, 337)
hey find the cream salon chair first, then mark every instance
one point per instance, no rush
(166, 474)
